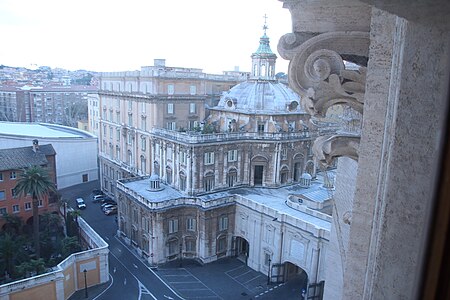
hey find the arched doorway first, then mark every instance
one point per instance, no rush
(242, 249)
(292, 275)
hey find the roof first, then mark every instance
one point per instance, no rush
(264, 48)
(262, 97)
(42, 130)
(24, 157)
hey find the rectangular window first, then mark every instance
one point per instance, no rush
(232, 155)
(118, 135)
(192, 108)
(144, 123)
(15, 208)
(143, 144)
(111, 116)
(27, 205)
(118, 117)
(209, 158)
(193, 90)
(3, 211)
(260, 128)
(173, 225)
(191, 224)
(284, 153)
(171, 125)
(223, 223)
(12, 175)
(14, 193)
(170, 89)
(130, 119)
(183, 157)
(1, 176)
(130, 105)
(110, 133)
(267, 258)
(2, 195)
(170, 108)
(40, 203)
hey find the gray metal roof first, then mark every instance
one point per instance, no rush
(24, 157)
(262, 97)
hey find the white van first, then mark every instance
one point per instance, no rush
(80, 203)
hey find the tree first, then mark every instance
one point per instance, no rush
(36, 182)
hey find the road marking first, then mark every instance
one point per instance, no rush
(167, 297)
(150, 269)
(125, 281)
(112, 281)
(114, 270)
(106, 238)
(135, 266)
(132, 274)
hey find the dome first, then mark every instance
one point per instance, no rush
(306, 176)
(262, 97)
(154, 177)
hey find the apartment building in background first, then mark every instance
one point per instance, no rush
(62, 104)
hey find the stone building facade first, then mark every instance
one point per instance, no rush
(238, 191)
(132, 104)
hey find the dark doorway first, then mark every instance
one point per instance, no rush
(85, 177)
(242, 249)
(258, 177)
(297, 171)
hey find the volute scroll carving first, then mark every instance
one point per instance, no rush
(329, 147)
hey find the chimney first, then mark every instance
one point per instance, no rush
(35, 146)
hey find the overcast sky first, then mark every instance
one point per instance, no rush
(113, 35)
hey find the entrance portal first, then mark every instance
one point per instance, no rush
(294, 276)
(258, 175)
(242, 249)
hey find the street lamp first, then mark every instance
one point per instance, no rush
(85, 284)
(268, 273)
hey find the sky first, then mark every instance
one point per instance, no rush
(117, 35)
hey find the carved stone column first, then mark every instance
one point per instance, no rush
(326, 35)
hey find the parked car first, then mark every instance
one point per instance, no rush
(98, 198)
(108, 201)
(111, 211)
(108, 206)
(80, 203)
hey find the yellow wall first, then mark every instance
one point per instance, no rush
(92, 276)
(46, 291)
(69, 282)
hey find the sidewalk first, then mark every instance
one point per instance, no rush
(92, 291)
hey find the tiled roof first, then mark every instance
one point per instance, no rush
(23, 157)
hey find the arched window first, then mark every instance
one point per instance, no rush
(208, 182)
(156, 168)
(284, 175)
(231, 177)
(143, 164)
(182, 181)
(168, 175)
(129, 157)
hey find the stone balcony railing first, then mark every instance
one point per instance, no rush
(195, 138)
